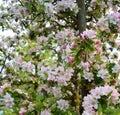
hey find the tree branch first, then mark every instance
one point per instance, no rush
(3, 64)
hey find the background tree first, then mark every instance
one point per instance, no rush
(63, 58)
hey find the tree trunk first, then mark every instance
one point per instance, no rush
(81, 17)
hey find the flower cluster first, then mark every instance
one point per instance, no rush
(50, 9)
(9, 101)
(26, 66)
(63, 104)
(45, 112)
(91, 101)
(55, 91)
(42, 39)
(63, 5)
(114, 18)
(116, 68)
(65, 35)
(110, 22)
(88, 76)
(22, 111)
(3, 87)
(88, 34)
(59, 74)
(103, 73)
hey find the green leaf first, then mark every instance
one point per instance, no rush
(112, 112)
(39, 105)
(99, 109)
(16, 97)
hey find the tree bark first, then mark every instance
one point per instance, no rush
(81, 17)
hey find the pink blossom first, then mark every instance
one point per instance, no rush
(61, 81)
(22, 111)
(70, 60)
(60, 37)
(42, 88)
(42, 39)
(102, 24)
(115, 95)
(19, 91)
(70, 34)
(67, 76)
(74, 45)
(85, 65)
(93, 2)
(98, 42)
(88, 34)
(114, 18)
(1, 91)
(52, 78)
(26, 1)
(31, 106)
(91, 101)
(6, 85)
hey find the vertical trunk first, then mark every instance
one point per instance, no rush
(81, 27)
(36, 113)
(81, 15)
(36, 85)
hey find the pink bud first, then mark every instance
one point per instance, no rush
(74, 45)
(98, 42)
(97, 48)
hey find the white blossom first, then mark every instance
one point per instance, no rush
(103, 73)
(9, 101)
(63, 104)
(45, 112)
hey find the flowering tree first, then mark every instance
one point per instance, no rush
(63, 58)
